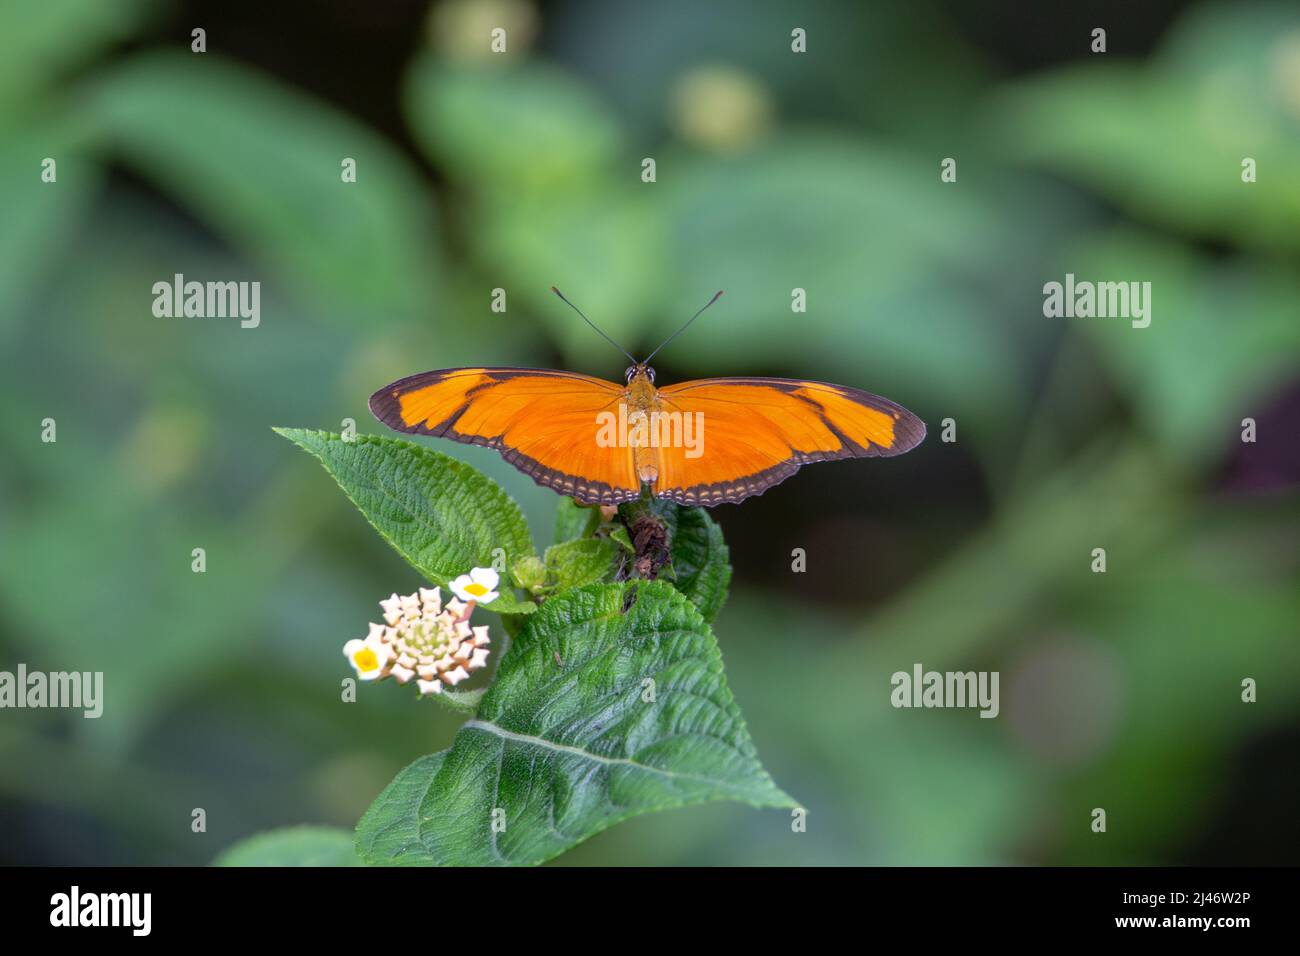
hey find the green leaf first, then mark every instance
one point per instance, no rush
(564, 745)
(529, 573)
(585, 561)
(529, 125)
(293, 846)
(575, 520)
(1166, 139)
(554, 200)
(40, 219)
(700, 558)
(276, 178)
(759, 223)
(618, 534)
(610, 240)
(40, 39)
(1190, 380)
(77, 536)
(388, 833)
(439, 513)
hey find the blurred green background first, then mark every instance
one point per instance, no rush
(775, 170)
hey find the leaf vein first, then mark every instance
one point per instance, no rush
(510, 735)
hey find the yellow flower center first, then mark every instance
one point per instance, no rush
(366, 659)
(476, 589)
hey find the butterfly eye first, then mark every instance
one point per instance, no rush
(631, 370)
(650, 372)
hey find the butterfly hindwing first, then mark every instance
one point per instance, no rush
(542, 422)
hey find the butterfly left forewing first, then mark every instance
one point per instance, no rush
(544, 422)
(752, 433)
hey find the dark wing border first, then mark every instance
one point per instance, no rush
(909, 431)
(386, 407)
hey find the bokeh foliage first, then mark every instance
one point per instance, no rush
(1119, 690)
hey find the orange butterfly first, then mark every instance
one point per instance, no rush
(696, 443)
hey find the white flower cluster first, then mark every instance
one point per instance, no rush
(421, 639)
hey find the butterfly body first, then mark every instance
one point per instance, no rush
(643, 402)
(700, 442)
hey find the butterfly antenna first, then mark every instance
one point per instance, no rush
(592, 324)
(716, 295)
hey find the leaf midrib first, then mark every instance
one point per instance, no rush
(545, 744)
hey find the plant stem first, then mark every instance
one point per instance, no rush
(649, 536)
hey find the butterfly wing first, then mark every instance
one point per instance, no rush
(543, 422)
(756, 432)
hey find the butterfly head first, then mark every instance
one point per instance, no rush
(638, 371)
